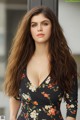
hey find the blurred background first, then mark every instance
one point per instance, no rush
(11, 12)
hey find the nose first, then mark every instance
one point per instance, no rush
(39, 27)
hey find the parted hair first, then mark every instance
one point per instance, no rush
(63, 66)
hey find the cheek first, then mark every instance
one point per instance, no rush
(48, 32)
(32, 32)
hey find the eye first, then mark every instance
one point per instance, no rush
(33, 25)
(45, 24)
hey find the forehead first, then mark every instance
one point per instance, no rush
(39, 18)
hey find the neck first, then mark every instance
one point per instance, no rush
(41, 50)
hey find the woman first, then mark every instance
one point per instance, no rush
(41, 70)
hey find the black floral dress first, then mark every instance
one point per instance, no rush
(43, 102)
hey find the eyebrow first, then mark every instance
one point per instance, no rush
(41, 21)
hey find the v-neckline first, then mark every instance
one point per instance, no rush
(32, 83)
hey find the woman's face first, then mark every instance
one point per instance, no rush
(40, 28)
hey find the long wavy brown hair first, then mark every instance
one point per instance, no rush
(63, 65)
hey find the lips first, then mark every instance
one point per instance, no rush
(40, 35)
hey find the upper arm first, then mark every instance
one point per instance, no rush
(14, 107)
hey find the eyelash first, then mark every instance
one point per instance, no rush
(33, 25)
(36, 24)
(46, 24)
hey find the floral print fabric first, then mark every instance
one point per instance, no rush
(43, 102)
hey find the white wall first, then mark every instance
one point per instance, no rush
(69, 18)
(4, 103)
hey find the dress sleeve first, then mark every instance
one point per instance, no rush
(72, 99)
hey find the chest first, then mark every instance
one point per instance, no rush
(37, 71)
(46, 93)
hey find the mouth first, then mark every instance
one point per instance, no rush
(40, 35)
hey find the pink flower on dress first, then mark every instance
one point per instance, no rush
(29, 99)
(50, 86)
(25, 115)
(23, 76)
(45, 94)
(52, 111)
(35, 103)
(73, 112)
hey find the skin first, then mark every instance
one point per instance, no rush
(40, 24)
(14, 108)
(70, 118)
